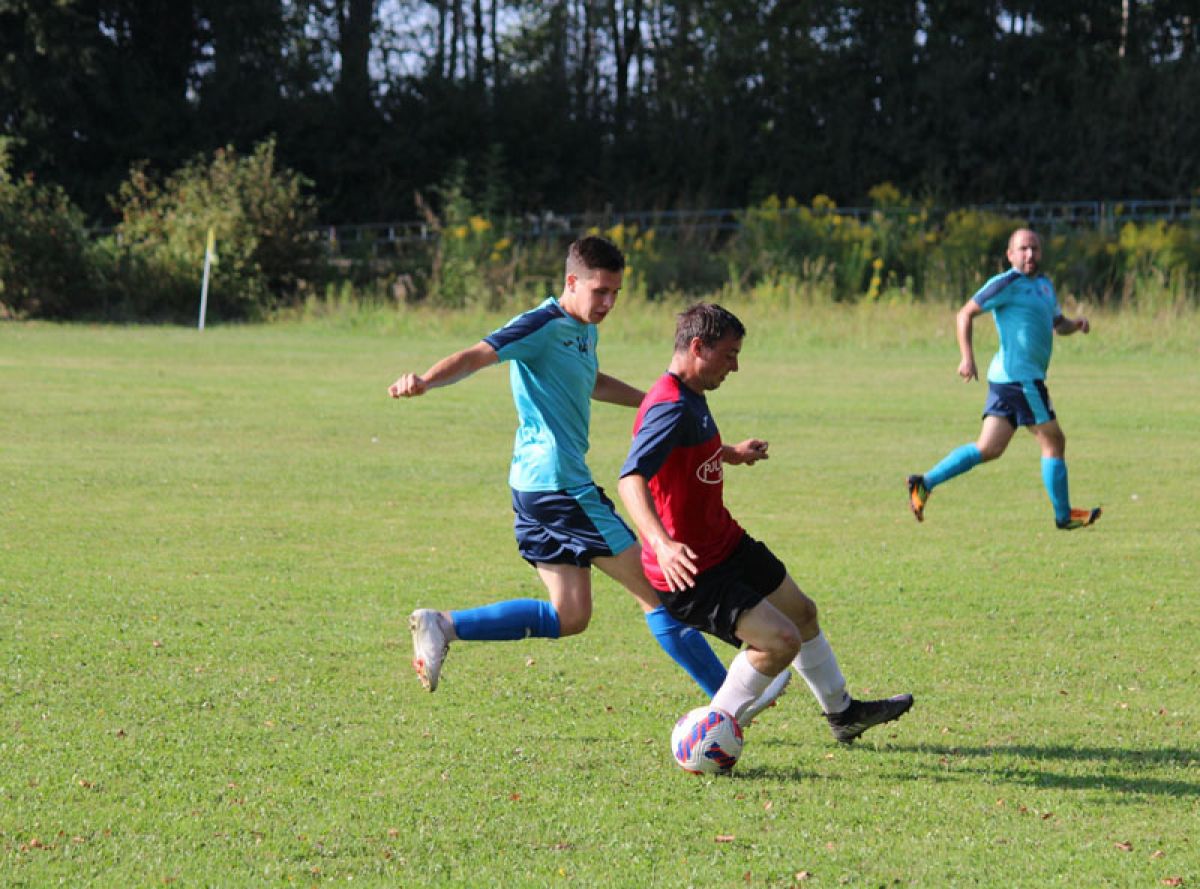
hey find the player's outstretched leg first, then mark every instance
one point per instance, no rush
(431, 640)
(862, 715)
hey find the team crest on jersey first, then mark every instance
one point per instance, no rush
(580, 343)
(712, 470)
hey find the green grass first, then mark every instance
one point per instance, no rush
(209, 544)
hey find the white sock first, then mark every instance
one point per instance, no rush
(741, 688)
(819, 667)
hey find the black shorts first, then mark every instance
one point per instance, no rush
(724, 592)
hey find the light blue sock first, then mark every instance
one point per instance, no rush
(962, 459)
(514, 619)
(1054, 477)
(688, 648)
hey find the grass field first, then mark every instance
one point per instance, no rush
(209, 544)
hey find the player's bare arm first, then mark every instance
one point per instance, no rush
(614, 391)
(1064, 326)
(964, 326)
(745, 453)
(449, 370)
(676, 559)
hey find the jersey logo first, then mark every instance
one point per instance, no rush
(712, 470)
(580, 343)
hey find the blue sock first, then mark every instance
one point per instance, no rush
(962, 459)
(514, 619)
(688, 648)
(1054, 477)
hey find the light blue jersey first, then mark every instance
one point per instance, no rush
(552, 372)
(1025, 309)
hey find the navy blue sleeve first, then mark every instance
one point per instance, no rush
(658, 435)
(522, 339)
(988, 296)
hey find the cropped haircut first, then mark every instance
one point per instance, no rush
(709, 322)
(592, 253)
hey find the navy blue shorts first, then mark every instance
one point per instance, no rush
(723, 593)
(569, 527)
(1022, 404)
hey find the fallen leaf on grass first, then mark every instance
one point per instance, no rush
(1124, 847)
(802, 875)
(1172, 881)
(1158, 853)
(514, 797)
(725, 838)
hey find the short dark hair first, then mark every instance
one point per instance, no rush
(709, 322)
(592, 253)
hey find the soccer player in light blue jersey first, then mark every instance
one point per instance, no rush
(564, 523)
(1027, 315)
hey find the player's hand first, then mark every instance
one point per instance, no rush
(677, 561)
(967, 370)
(749, 452)
(407, 386)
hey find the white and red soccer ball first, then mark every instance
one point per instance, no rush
(706, 741)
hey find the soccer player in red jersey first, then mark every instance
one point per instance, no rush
(709, 573)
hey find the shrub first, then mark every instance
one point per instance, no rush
(263, 225)
(44, 265)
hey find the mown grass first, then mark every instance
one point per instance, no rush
(209, 544)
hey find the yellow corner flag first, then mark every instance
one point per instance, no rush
(210, 256)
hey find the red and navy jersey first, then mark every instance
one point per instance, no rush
(677, 449)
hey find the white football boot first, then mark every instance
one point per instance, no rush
(430, 644)
(767, 698)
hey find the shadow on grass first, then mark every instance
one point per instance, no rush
(1112, 768)
(769, 774)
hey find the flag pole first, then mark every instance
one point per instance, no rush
(209, 254)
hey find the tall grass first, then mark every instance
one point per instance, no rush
(785, 309)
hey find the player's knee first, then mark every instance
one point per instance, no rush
(572, 623)
(989, 451)
(784, 645)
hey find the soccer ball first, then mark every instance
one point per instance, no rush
(706, 741)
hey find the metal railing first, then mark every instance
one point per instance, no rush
(390, 238)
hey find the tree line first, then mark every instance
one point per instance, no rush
(579, 104)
